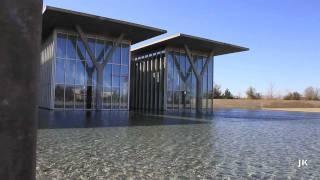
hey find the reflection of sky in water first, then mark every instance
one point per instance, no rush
(256, 144)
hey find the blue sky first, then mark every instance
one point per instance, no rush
(283, 36)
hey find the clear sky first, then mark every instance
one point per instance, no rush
(283, 35)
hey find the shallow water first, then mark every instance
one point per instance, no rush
(228, 144)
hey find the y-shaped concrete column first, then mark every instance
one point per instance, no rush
(199, 76)
(99, 66)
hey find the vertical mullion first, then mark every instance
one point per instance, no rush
(137, 84)
(144, 83)
(165, 78)
(132, 91)
(160, 81)
(140, 85)
(212, 81)
(151, 83)
(156, 88)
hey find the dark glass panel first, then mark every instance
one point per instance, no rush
(69, 102)
(124, 93)
(116, 70)
(176, 99)
(115, 97)
(61, 45)
(125, 54)
(176, 76)
(71, 47)
(60, 71)
(99, 53)
(93, 97)
(79, 93)
(170, 72)
(182, 65)
(80, 73)
(169, 99)
(124, 81)
(59, 96)
(117, 55)
(107, 75)
(115, 81)
(124, 70)
(107, 94)
(70, 70)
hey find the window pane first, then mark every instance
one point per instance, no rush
(124, 97)
(79, 93)
(59, 96)
(125, 54)
(182, 65)
(124, 70)
(80, 73)
(81, 51)
(70, 70)
(107, 93)
(69, 103)
(107, 75)
(124, 81)
(93, 97)
(169, 99)
(61, 45)
(117, 55)
(99, 50)
(176, 99)
(115, 98)
(60, 71)
(71, 47)
(170, 72)
(176, 76)
(115, 81)
(115, 70)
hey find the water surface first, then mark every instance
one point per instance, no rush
(232, 143)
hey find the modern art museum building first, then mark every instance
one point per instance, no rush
(87, 64)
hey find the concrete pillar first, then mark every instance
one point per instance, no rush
(99, 87)
(89, 88)
(20, 44)
(199, 95)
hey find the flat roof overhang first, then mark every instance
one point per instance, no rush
(194, 43)
(61, 18)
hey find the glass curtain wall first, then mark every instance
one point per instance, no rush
(75, 75)
(181, 82)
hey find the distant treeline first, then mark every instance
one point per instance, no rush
(310, 93)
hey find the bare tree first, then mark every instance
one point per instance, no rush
(252, 94)
(311, 93)
(270, 93)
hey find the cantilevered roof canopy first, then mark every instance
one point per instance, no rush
(194, 43)
(55, 17)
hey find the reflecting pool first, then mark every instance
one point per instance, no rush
(232, 143)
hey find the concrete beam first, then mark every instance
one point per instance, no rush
(20, 45)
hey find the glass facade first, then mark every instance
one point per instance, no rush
(75, 75)
(181, 82)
